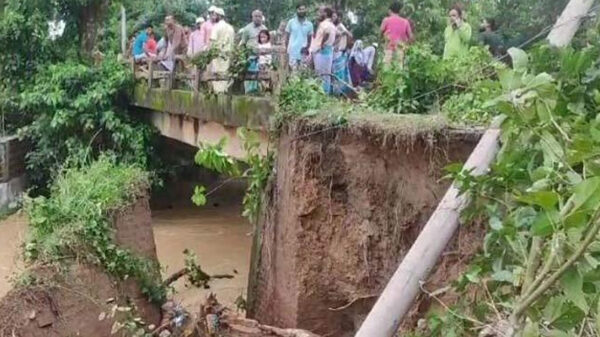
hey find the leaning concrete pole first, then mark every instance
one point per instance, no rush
(398, 296)
(569, 22)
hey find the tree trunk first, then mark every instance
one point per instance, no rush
(91, 20)
(567, 25)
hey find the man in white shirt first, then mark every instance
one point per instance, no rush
(223, 38)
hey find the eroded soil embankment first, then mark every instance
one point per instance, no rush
(343, 210)
(76, 299)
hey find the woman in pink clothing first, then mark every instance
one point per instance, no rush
(397, 31)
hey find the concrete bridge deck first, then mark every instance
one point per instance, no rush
(193, 118)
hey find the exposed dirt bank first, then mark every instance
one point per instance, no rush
(346, 205)
(74, 299)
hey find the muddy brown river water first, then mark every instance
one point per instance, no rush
(217, 235)
(219, 238)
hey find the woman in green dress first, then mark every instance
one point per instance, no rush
(457, 35)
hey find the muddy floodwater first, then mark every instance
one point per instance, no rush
(218, 235)
(12, 235)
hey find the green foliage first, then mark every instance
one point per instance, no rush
(301, 95)
(74, 222)
(239, 62)
(81, 110)
(258, 173)
(541, 201)
(195, 275)
(470, 107)
(203, 60)
(426, 81)
(257, 170)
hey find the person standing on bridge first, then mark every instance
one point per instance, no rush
(206, 28)
(223, 38)
(397, 31)
(321, 47)
(299, 32)
(196, 43)
(176, 45)
(340, 56)
(250, 31)
(249, 39)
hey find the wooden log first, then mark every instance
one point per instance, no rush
(399, 294)
(567, 25)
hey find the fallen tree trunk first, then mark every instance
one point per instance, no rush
(399, 294)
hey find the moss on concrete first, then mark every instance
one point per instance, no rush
(234, 111)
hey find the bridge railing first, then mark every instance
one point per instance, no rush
(187, 76)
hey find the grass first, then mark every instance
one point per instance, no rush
(74, 222)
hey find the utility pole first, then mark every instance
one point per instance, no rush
(569, 22)
(398, 296)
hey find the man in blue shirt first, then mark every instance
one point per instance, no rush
(299, 35)
(138, 45)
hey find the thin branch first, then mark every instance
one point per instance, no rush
(183, 272)
(533, 263)
(591, 236)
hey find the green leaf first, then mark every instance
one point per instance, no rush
(199, 197)
(553, 151)
(542, 225)
(570, 316)
(553, 308)
(576, 220)
(585, 192)
(540, 80)
(520, 59)
(545, 199)
(572, 284)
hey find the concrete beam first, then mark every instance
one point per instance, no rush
(193, 131)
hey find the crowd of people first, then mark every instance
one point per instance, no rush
(327, 47)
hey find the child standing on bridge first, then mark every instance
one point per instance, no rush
(265, 58)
